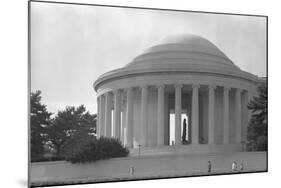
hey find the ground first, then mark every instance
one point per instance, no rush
(145, 167)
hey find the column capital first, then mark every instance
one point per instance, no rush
(212, 86)
(116, 91)
(122, 90)
(238, 90)
(226, 88)
(102, 96)
(195, 86)
(160, 86)
(143, 86)
(128, 89)
(178, 86)
(108, 93)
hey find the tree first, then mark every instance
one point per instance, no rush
(257, 129)
(39, 120)
(69, 126)
(91, 150)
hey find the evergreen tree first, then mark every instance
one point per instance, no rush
(257, 129)
(39, 120)
(69, 126)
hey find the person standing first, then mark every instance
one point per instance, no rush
(209, 166)
(234, 166)
(241, 167)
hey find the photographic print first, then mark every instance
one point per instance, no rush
(127, 93)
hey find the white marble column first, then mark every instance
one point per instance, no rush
(195, 114)
(211, 114)
(117, 114)
(123, 115)
(226, 115)
(143, 133)
(129, 118)
(238, 114)
(123, 130)
(178, 109)
(99, 117)
(102, 115)
(248, 96)
(160, 116)
(108, 114)
(166, 120)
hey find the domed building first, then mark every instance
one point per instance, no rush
(184, 77)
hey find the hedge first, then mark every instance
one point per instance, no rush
(98, 149)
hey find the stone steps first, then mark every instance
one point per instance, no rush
(186, 149)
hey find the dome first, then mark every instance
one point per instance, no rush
(183, 50)
(187, 39)
(185, 54)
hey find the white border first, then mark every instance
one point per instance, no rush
(13, 95)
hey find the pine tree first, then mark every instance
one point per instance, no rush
(39, 120)
(257, 129)
(69, 127)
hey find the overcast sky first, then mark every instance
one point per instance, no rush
(71, 45)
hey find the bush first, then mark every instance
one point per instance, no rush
(257, 136)
(259, 145)
(74, 145)
(98, 149)
(47, 159)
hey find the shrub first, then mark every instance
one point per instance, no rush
(74, 145)
(256, 136)
(98, 149)
(259, 145)
(47, 159)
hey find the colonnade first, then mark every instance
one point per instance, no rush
(105, 101)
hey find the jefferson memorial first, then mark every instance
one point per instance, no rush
(183, 78)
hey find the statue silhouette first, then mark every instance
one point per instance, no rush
(184, 132)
